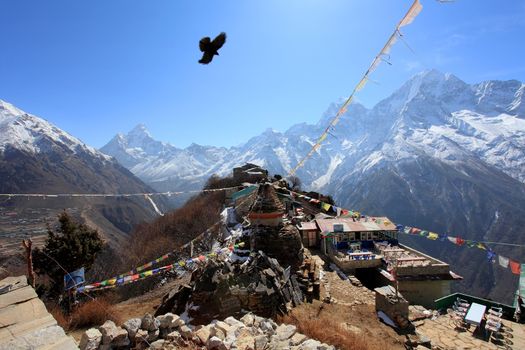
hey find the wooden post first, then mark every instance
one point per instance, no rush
(29, 257)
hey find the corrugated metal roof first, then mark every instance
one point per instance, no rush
(349, 225)
(307, 226)
(244, 192)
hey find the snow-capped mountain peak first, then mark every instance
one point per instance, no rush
(30, 133)
(433, 114)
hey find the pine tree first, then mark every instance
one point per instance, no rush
(72, 246)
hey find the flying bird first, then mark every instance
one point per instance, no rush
(210, 47)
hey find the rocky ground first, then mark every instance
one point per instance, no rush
(345, 303)
(169, 331)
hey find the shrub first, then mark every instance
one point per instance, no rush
(59, 316)
(93, 313)
(327, 328)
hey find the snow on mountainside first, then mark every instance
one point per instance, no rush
(432, 114)
(33, 134)
(38, 157)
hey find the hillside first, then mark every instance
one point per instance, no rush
(38, 157)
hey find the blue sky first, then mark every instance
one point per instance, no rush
(95, 68)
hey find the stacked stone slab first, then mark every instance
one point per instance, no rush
(24, 320)
(169, 331)
(222, 289)
(282, 243)
(309, 277)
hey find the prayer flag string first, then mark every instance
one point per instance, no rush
(409, 17)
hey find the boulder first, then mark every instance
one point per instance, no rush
(166, 321)
(310, 344)
(245, 340)
(153, 335)
(248, 319)
(177, 322)
(121, 338)
(186, 332)
(132, 326)
(90, 340)
(257, 320)
(141, 335)
(108, 330)
(223, 326)
(285, 331)
(217, 332)
(149, 323)
(233, 322)
(297, 339)
(158, 345)
(276, 344)
(214, 343)
(266, 327)
(260, 342)
(203, 334)
(174, 336)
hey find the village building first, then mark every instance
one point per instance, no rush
(250, 173)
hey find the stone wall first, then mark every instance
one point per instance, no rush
(169, 331)
(424, 292)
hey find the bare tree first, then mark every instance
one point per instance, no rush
(295, 183)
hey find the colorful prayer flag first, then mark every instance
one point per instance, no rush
(471, 244)
(460, 241)
(325, 206)
(452, 239)
(433, 236)
(503, 261)
(515, 267)
(491, 256)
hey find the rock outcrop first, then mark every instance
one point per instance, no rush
(257, 283)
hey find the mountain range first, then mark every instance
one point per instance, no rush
(438, 154)
(38, 157)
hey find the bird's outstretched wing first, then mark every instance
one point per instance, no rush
(204, 43)
(219, 41)
(206, 57)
